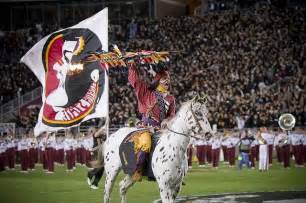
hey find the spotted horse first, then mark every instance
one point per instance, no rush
(169, 160)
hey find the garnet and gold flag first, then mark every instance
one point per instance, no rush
(73, 91)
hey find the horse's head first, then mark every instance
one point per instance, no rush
(197, 121)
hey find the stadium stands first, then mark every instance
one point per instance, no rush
(250, 63)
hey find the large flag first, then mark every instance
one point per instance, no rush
(73, 91)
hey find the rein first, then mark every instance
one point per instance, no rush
(186, 135)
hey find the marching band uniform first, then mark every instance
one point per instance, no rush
(263, 151)
(11, 153)
(68, 147)
(232, 141)
(155, 104)
(50, 145)
(270, 141)
(23, 147)
(295, 142)
(32, 148)
(60, 155)
(3, 149)
(209, 151)
(190, 152)
(200, 145)
(224, 148)
(277, 140)
(253, 155)
(74, 145)
(82, 150)
(215, 148)
(42, 152)
(300, 150)
(78, 151)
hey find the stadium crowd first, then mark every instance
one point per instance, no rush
(250, 63)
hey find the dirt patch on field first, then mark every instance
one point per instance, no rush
(259, 197)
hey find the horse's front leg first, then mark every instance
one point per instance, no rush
(124, 185)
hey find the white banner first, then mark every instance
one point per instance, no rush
(73, 91)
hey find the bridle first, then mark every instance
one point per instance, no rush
(197, 123)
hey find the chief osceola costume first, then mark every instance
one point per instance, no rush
(155, 105)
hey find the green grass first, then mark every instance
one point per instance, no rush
(62, 187)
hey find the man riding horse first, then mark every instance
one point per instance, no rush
(157, 107)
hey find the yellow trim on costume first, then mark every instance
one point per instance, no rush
(161, 89)
(142, 141)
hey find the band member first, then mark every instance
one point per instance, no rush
(232, 142)
(60, 155)
(190, 152)
(23, 148)
(270, 141)
(209, 150)
(11, 152)
(3, 149)
(68, 147)
(278, 143)
(224, 144)
(201, 151)
(284, 142)
(215, 150)
(50, 145)
(32, 147)
(156, 105)
(262, 137)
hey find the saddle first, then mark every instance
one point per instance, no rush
(128, 154)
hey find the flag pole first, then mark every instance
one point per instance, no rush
(107, 84)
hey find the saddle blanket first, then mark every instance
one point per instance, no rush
(128, 154)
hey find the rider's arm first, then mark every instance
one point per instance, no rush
(143, 93)
(172, 107)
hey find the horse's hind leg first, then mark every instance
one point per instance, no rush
(177, 189)
(109, 183)
(124, 185)
(166, 195)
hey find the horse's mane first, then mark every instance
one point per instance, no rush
(181, 109)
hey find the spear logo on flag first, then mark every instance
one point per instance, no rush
(73, 91)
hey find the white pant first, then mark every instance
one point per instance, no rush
(263, 157)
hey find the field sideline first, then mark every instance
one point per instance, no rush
(63, 187)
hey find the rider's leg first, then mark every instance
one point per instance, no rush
(98, 175)
(142, 147)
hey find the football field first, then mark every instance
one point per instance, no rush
(63, 187)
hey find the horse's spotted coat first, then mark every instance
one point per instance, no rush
(169, 161)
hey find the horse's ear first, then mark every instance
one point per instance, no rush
(201, 98)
